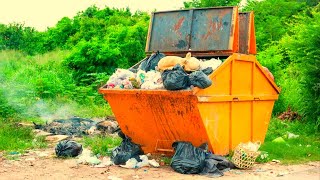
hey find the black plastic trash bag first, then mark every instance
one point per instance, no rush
(207, 71)
(200, 79)
(68, 148)
(195, 160)
(175, 79)
(126, 151)
(187, 159)
(151, 62)
(215, 165)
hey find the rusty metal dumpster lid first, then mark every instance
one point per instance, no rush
(205, 31)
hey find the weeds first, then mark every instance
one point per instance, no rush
(304, 148)
(102, 145)
(17, 138)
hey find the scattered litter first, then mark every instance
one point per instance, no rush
(68, 148)
(237, 172)
(281, 174)
(130, 164)
(113, 178)
(42, 154)
(144, 161)
(39, 132)
(154, 163)
(308, 145)
(136, 177)
(279, 140)
(105, 163)
(275, 160)
(14, 153)
(125, 151)
(30, 159)
(264, 155)
(260, 170)
(87, 157)
(56, 138)
(291, 135)
(245, 154)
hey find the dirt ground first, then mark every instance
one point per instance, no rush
(43, 165)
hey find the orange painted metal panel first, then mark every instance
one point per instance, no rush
(240, 123)
(262, 112)
(155, 119)
(215, 117)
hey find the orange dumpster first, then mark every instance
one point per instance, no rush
(237, 106)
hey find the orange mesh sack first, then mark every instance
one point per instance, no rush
(245, 154)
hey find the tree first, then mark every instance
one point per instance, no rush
(210, 3)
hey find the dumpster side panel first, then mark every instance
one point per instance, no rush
(216, 118)
(261, 114)
(155, 120)
(240, 123)
(262, 84)
(242, 78)
(241, 89)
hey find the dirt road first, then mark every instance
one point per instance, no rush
(43, 165)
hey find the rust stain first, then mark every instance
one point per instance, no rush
(179, 24)
(213, 26)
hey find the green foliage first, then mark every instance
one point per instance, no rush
(272, 17)
(294, 59)
(16, 36)
(210, 3)
(105, 43)
(303, 49)
(102, 144)
(17, 138)
(41, 87)
(304, 148)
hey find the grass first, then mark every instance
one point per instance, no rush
(17, 138)
(101, 145)
(302, 149)
(37, 89)
(41, 87)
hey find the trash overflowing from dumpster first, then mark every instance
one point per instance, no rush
(166, 72)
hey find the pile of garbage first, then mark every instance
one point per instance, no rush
(187, 159)
(76, 126)
(166, 72)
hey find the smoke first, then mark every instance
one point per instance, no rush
(48, 113)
